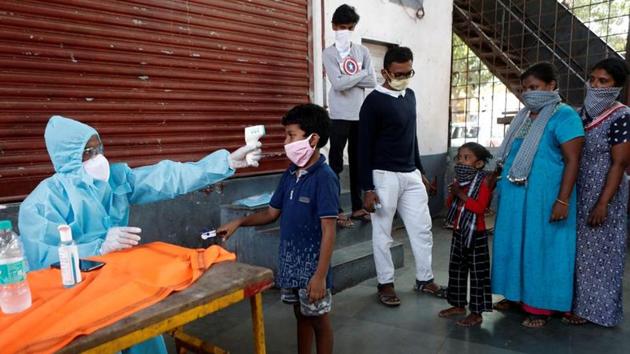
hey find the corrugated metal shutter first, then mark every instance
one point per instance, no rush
(157, 79)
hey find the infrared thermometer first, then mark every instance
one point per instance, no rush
(252, 136)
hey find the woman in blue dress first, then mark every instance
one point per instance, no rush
(602, 199)
(534, 245)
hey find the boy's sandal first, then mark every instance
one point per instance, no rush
(344, 222)
(535, 321)
(573, 320)
(362, 215)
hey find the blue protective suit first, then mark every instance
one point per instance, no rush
(91, 207)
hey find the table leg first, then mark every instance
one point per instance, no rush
(258, 323)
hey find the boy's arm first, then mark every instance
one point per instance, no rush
(264, 217)
(317, 285)
(338, 80)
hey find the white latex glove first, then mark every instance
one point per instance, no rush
(119, 238)
(245, 156)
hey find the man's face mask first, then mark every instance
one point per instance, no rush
(399, 81)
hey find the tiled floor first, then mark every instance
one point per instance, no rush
(363, 326)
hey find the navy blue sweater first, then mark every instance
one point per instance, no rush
(387, 136)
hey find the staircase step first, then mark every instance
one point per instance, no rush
(352, 265)
(511, 56)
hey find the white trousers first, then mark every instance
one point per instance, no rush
(405, 192)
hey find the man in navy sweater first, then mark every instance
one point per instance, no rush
(392, 176)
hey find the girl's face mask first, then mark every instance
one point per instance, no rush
(300, 152)
(464, 173)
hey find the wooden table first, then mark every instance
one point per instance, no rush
(222, 285)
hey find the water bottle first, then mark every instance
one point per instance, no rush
(68, 258)
(15, 295)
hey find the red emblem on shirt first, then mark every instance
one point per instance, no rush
(350, 66)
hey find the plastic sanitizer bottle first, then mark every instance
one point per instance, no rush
(68, 258)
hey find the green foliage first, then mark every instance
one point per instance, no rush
(609, 19)
(468, 72)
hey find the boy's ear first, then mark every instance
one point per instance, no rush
(314, 140)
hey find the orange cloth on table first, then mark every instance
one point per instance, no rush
(130, 281)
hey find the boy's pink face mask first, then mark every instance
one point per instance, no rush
(299, 152)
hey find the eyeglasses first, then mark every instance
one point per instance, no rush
(407, 75)
(90, 152)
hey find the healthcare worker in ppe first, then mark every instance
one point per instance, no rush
(93, 197)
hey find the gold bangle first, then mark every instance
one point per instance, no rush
(562, 202)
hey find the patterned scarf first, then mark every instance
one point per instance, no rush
(543, 102)
(597, 100)
(467, 221)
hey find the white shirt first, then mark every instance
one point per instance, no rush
(393, 93)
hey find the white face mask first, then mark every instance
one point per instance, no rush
(97, 167)
(342, 40)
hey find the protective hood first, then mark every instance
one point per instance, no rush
(65, 142)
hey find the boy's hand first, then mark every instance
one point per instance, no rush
(316, 288)
(225, 231)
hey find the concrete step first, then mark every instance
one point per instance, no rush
(360, 232)
(352, 261)
(230, 211)
(352, 265)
